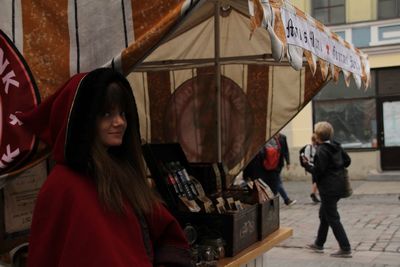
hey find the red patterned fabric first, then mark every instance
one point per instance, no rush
(18, 92)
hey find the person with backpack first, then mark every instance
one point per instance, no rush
(307, 154)
(329, 169)
(268, 163)
(276, 153)
(284, 157)
(255, 170)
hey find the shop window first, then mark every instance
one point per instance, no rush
(339, 90)
(354, 121)
(388, 80)
(350, 110)
(329, 11)
(388, 9)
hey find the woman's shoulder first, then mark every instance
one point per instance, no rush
(65, 175)
(63, 181)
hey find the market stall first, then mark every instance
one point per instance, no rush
(217, 77)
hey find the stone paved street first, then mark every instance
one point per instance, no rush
(371, 218)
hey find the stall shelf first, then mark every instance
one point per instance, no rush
(257, 249)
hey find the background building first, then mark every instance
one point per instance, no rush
(367, 123)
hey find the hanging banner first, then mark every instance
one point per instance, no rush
(302, 33)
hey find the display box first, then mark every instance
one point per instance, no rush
(156, 155)
(211, 175)
(238, 229)
(268, 217)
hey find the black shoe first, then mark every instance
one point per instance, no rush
(314, 198)
(342, 254)
(290, 202)
(315, 248)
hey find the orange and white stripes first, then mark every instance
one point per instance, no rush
(60, 38)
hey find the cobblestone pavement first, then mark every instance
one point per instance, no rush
(371, 218)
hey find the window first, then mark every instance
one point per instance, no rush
(353, 121)
(340, 91)
(388, 80)
(329, 11)
(388, 9)
(351, 111)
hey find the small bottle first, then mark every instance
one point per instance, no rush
(169, 179)
(189, 197)
(172, 183)
(187, 179)
(175, 177)
(180, 176)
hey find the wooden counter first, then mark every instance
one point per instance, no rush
(257, 249)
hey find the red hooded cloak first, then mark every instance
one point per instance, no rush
(70, 226)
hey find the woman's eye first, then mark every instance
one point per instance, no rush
(122, 113)
(106, 114)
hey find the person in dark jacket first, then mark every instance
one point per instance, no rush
(330, 162)
(255, 169)
(284, 158)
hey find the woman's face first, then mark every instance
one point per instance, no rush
(111, 127)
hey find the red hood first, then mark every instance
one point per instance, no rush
(49, 120)
(65, 120)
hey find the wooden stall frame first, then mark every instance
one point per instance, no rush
(257, 248)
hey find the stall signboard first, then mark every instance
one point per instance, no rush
(19, 198)
(18, 93)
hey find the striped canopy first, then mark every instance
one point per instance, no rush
(219, 77)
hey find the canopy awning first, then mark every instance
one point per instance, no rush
(218, 76)
(288, 35)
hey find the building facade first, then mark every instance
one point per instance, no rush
(366, 122)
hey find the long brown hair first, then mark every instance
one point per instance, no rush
(119, 171)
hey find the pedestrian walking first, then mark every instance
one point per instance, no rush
(268, 164)
(307, 154)
(329, 166)
(255, 170)
(284, 159)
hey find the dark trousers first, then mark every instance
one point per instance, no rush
(329, 216)
(281, 190)
(271, 178)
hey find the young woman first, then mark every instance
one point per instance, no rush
(329, 163)
(96, 207)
